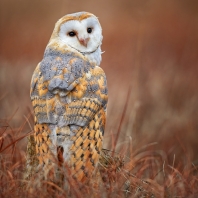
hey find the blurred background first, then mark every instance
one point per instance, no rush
(150, 50)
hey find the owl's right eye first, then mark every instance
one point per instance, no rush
(72, 33)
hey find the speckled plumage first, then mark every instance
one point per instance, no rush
(69, 97)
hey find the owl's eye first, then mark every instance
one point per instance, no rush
(89, 30)
(72, 33)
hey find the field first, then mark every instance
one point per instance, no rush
(151, 137)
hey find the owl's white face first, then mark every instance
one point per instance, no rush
(83, 35)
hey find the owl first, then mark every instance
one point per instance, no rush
(69, 97)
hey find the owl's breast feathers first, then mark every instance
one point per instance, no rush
(67, 89)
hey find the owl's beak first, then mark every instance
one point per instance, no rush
(83, 41)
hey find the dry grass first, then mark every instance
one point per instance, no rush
(144, 172)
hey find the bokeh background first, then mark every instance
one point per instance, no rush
(151, 50)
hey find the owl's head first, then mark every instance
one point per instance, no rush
(80, 31)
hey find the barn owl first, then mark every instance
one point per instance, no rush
(69, 96)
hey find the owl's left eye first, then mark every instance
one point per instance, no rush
(89, 30)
